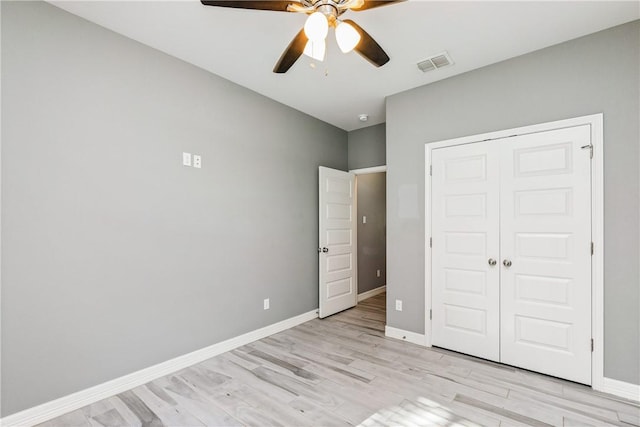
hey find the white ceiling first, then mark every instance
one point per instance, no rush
(244, 45)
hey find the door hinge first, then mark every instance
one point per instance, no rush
(430, 242)
(590, 147)
(591, 345)
(430, 314)
(430, 170)
(592, 248)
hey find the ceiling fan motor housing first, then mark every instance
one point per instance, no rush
(329, 9)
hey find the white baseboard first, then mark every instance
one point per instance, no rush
(372, 293)
(409, 336)
(621, 389)
(63, 405)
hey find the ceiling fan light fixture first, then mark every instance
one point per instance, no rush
(316, 27)
(347, 37)
(315, 49)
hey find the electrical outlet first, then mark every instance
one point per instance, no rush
(378, 273)
(197, 161)
(266, 303)
(398, 305)
(186, 159)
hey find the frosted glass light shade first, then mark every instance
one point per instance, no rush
(316, 27)
(315, 50)
(347, 37)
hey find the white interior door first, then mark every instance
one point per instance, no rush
(545, 236)
(337, 241)
(465, 224)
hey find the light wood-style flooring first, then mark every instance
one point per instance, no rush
(343, 371)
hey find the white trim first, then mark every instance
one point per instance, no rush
(427, 246)
(403, 335)
(355, 235)
(71, 402)
(0, 215)
(597, 261)
(621, 388)
(597, 224)
(372, 293)
(374, 169)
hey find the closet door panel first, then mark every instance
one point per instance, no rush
(545, 235)
(465, 209)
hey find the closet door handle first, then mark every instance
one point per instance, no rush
(492, 262)
(506, 263)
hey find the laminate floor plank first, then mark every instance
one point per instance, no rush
(110, 418)
(72, 419)
(124, 411)
(351, 340)
(596, 413)
(196, 403)
(586, 395)
(226, 364)
(167, 414)
(328, 368)
(631, 419)
(454, 410)
(343, 371)
(317, 415)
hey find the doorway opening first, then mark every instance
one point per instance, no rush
(370, 212)
(350, 235)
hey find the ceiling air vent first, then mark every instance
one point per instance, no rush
(434, 62)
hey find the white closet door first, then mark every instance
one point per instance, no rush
(465, 220)
(545, 235)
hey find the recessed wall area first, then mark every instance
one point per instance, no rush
(366, 152)
(372, 242)
(523, 91)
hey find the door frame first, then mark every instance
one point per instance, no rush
(595, 121)
(356, 172)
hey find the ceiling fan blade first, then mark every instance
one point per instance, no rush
(368, 47)
(277, 5)
(291, 53)
(370, 4)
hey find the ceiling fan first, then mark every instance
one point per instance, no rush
(322, 15)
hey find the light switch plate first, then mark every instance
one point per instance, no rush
(186, 159)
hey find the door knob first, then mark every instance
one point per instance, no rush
(325, 250)
(506, 263)
(492, 262)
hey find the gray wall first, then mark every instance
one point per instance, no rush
(593, 74)
(367, 147)
(372, 246)
(115, 256)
